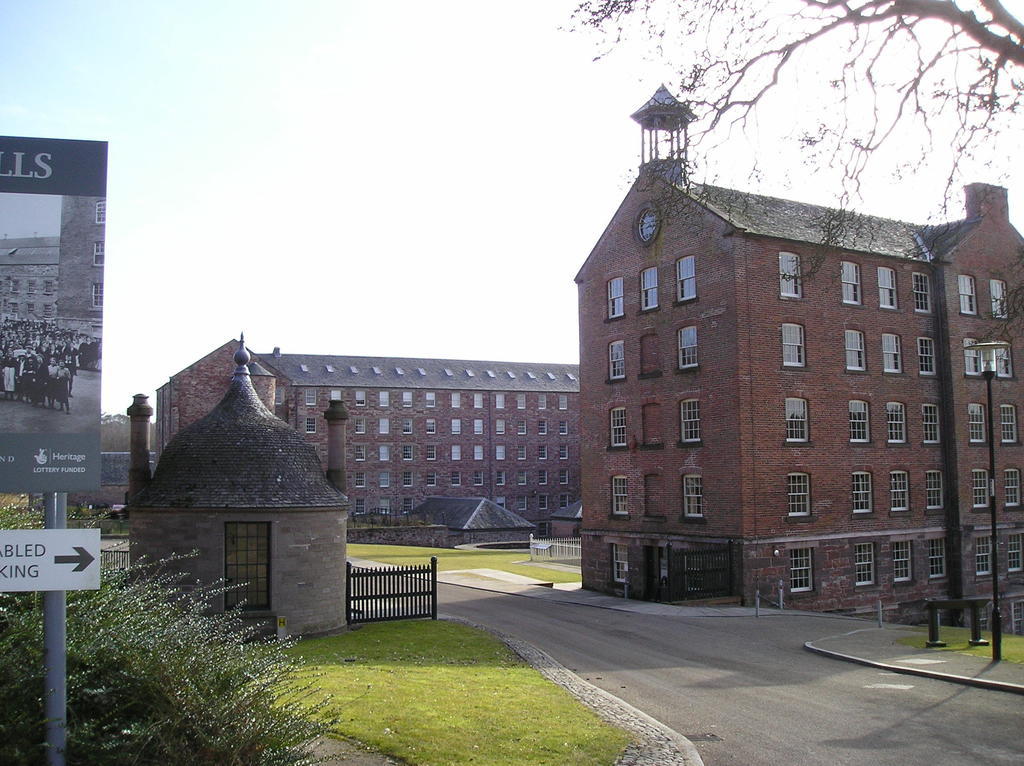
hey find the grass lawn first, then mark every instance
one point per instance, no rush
(435, 692)
(450, 558)
(956, 638)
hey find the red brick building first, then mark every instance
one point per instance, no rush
(507, 431)
(788, 383)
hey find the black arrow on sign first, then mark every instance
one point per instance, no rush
(83, 559)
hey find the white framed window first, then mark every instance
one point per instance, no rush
(499, 451)
(310, 394)
(997, 292)
(499, 401)
(854, 350)
(101, 211)
(455, 479)
(542, 452)
(930, 423)
(542, 477)
(499, 478)
(499, 426)
(384, 425)
(899, 491)
(922, 293)
(563, 427)
(520, 401)
(542, 427)
(563, 475)
(521, 478)
(615, 298)
(384, 452)
(430, 478)
(430, 399)
(478, 426)
(563, 401)
(384, 479)
(620, 563)
(979, 488)
(456, 426)
(937, 557)
(360, 505)
(972, 358)
(384, 398)
(521, 452)
(542, 401)
(616, 360)
(933, 489)
(478, 452)
(431, 426)
(456, 400)
(521, 427)
(359, 452)
(976, 422)
(886, 288)
(521, 502)
(478, 478)
(407, 398)
(407, 450)
(851, 282)
(1013, 552)
(456, 452)
(1004, 365)
(859, 426)
(798, 494)
(478, 401)
(1011, 486)
(310, 425)
(796, 420)
(792, 345)
(97, 296)
(406, 425)
(693, 496)
(864, 564)
(687, 338)
(649, 288)
(861, 491)
(686, 278)
(968, 302)
(892, 354)
(563, 451)
(689, 420)
(800, 570)
(1007, 423)
(619, 494)
(430, 451)
(359, 425)
(542, 502)
(901, 559)
(617, 427)
(925, 356)
(790, 282)
(895, 422)
(983, 555)
(359, 479)
(500, 501)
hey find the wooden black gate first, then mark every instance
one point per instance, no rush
(700, 572)
(376, 594)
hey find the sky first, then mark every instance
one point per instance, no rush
(342, 177)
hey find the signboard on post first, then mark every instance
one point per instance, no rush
(53, 213)
(49, 559)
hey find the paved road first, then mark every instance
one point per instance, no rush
(746, 692)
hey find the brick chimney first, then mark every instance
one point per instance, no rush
(138, 466)
(986, 201)
(336, 415)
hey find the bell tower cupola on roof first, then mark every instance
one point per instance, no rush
(663, 121)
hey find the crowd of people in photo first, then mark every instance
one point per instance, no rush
(39, 362)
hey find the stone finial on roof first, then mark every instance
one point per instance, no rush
(242, 358)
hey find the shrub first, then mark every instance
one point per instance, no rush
(152, 679)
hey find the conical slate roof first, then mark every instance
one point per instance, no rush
(239, 456)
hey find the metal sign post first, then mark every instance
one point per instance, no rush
(55, 612)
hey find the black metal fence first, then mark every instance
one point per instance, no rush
(699, 573)
(377, 594)
(114, 559)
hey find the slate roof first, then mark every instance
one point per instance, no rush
(469, 514)
(573, 512)
(416, 373)
(816, 224)
(30, 251)
(240, 456)
(114, 468)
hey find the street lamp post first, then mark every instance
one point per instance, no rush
(989, 352)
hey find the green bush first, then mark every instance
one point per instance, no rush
(152, 679)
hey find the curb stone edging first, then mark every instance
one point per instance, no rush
(981, 683)
(656, 745)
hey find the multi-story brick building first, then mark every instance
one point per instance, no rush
(508, 431)
(789, 382)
